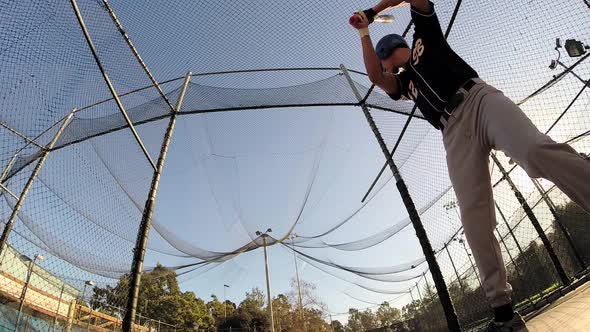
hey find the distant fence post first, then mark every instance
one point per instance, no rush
(564, 230)
(529, 212)
(19, 203)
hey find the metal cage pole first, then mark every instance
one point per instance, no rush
(441, 287)
(507, 251)
(109, 84)
(8, 167)
(300, 298)
(29, 184)
(55, 320)
(146, 220)
(557, 218)
(464, 243)
(419, 294)
(529, 212)
(268, 289)
(117, 23)
(509, 228)
(454, 268)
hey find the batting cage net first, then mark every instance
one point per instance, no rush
(141, 135)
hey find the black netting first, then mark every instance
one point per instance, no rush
(269, 135)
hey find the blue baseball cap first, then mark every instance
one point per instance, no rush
(388, 44)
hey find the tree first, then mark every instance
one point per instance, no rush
(254, 300)
(159, 299)
(251, 313)
(311, 317)
(577, 222)
(283, 313)
(338, 327)
(387, 315)
(360, 321)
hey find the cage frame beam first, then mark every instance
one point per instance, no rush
(440, 284)
(146, 220)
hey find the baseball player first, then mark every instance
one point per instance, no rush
(474, 118)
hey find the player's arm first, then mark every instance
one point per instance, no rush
(388, 82)
(423, 6)
(423, 16)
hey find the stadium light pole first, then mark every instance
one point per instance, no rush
(224, 300)
(23, 294)
(293, 236)
(86, 284)
(270, 313)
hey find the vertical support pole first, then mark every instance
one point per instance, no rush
(63, 287)
(462, 241)
(454, 268)
(427, 284)
(71, 313)
(529, 212)
(419, 293)
(507, 251)
(8, 167)
(516, 267)
(441, 287)
(224, 305)
(89, 320)
(298, 284)
(29, 184)
(28, 321)
(557, 218)
(521, 252)
(23, 294)
(268, 292)
(412, 295)
(146, 220)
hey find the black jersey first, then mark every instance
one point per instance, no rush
(434, 72)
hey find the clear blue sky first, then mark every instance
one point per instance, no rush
(230, 174)
(227, 36)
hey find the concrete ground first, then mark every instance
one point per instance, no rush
(570, 313)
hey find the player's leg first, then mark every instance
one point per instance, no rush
(508, 129)
(468, 165)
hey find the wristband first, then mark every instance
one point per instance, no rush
(370, 14)
(363, 32)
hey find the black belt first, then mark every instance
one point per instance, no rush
(457, 99)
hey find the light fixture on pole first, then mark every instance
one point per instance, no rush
(23, 294)
(270, 313)
(574, 49)
(86, 283)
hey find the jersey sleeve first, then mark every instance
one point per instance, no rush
(402, 81)
(427, 24)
